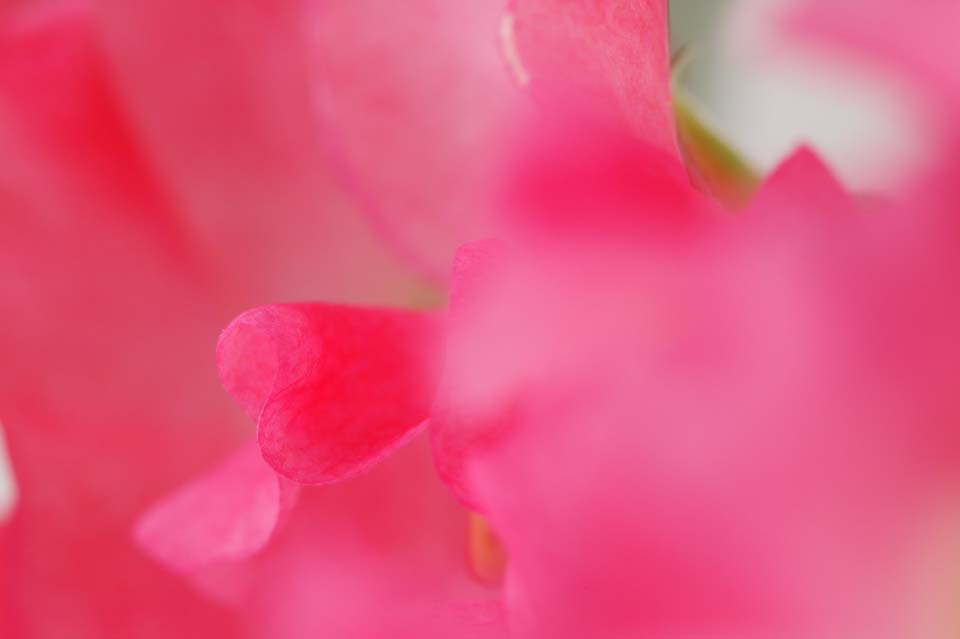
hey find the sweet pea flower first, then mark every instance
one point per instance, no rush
(678, 421)
(668, 420)
(167, 164)
(336, 389)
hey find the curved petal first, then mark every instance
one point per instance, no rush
(917, 40)
(412, 97)
(333, 388)
(733, 432)
(617, 54)
(229, 513)
(228, 120)
(581, 199)
(574, 159)
(105, 326)
(71, 139)
(380, 556)
(317, 110)
(459, 424)
(111, 307)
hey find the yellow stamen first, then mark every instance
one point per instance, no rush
(485, 554)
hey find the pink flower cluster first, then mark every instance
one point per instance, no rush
(551, 388)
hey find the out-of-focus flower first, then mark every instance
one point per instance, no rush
(743, 426)
(680, 422)
(670, 420)
(274, 358)
(165, 165)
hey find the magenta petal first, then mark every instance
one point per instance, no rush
(803, 171)
(333, 388)
(575, 159)
(227, 514)
(382, 556)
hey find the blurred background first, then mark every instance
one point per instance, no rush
(765, 96)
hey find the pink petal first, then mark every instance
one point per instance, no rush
(639, 199)
(734, 426)
(571, 159)
(917, 39)
(266, 106)
(455, 430)
(227, 118)
(412, 96)
(615, 52)
(380, 556)
(105, 395)
(230, 513)
(334, 389)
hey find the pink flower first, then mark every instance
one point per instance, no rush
(167, 164)
(335, 389)
(742, 427)
(679, 421)
(669, 420)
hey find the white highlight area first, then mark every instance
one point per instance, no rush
(508, 45)
(767, 94)
(8, 483)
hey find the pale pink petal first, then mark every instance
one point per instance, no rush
(333, 388)
(229, 513)
(455, 429)
(223, 107)
(616, 53)
(111, 309)
(264, 108)
(383, 555)
(916, 39)
(412, 97)
(71, 138)
(582, 198)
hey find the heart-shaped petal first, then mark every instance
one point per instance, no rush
(333, 388)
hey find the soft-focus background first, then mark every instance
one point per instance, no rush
(767, 98)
